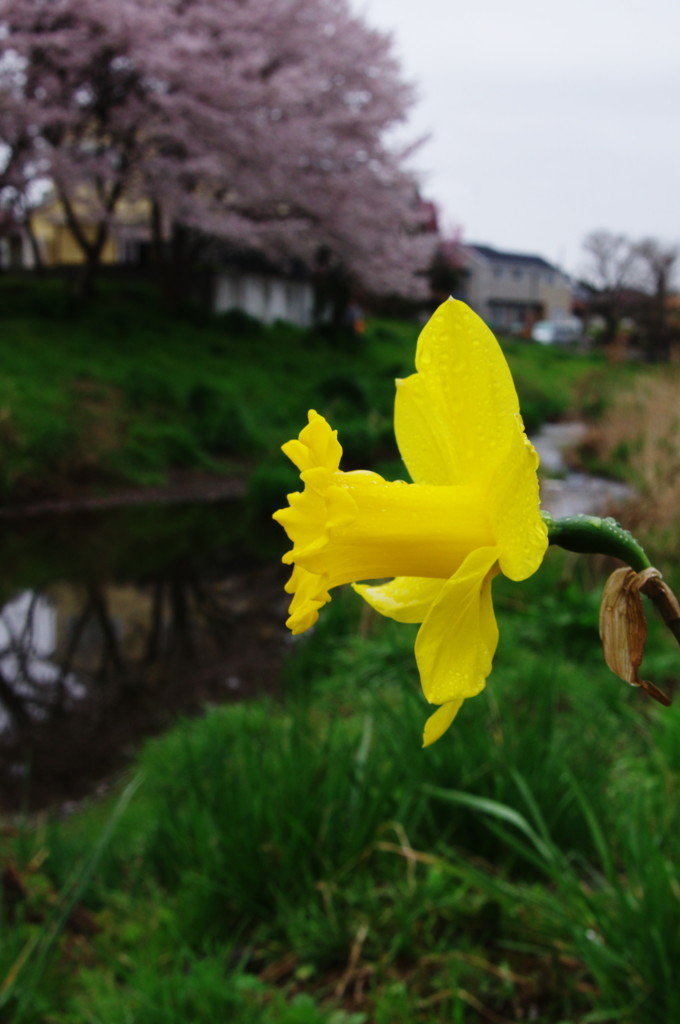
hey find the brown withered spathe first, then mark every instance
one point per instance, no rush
(623, 628)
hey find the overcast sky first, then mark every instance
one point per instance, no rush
(546, 120)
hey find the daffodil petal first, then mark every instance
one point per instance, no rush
(457, 420)
(309, 595)
(438, 723)
(514, 509)
(458, 638)
(405, 599)
(317, 445)
(455, 417)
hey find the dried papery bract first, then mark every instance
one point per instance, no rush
(663, 599)
(623, 627)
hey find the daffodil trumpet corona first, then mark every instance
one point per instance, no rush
(426, 551)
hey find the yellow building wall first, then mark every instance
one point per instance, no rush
(60, 248)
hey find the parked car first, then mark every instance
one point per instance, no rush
(558, 332)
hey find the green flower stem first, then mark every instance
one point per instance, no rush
(592, 535)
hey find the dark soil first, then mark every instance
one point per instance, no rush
(182, 486)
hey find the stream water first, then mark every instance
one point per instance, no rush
(115, 621)
(565, 492)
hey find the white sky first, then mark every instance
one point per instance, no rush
(546, 120)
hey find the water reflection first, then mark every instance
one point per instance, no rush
(118, 622)
(31, 682)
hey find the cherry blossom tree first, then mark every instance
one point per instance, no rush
(260, 122)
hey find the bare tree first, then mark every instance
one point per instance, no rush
(657, 263)
(611, 274)
(629, 278)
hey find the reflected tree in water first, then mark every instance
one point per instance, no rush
(100, 642)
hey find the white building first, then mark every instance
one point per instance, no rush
(512, 290)
(267, 297)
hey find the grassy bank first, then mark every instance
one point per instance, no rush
(637, 439)
(310, 864)
(123, 393)
(307, 862)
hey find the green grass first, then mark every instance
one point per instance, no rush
(122, 392)
(309, 862)
(551, 381)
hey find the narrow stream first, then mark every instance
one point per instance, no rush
(113, 622)
(565, 492)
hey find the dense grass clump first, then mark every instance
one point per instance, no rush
(309, 862)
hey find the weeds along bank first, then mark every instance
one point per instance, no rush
(123, 393)
(636, 437)
(309, 862)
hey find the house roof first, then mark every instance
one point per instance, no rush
(496, 256)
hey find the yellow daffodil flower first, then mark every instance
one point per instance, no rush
(471, 512)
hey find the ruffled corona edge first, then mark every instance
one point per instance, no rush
(311, 515)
